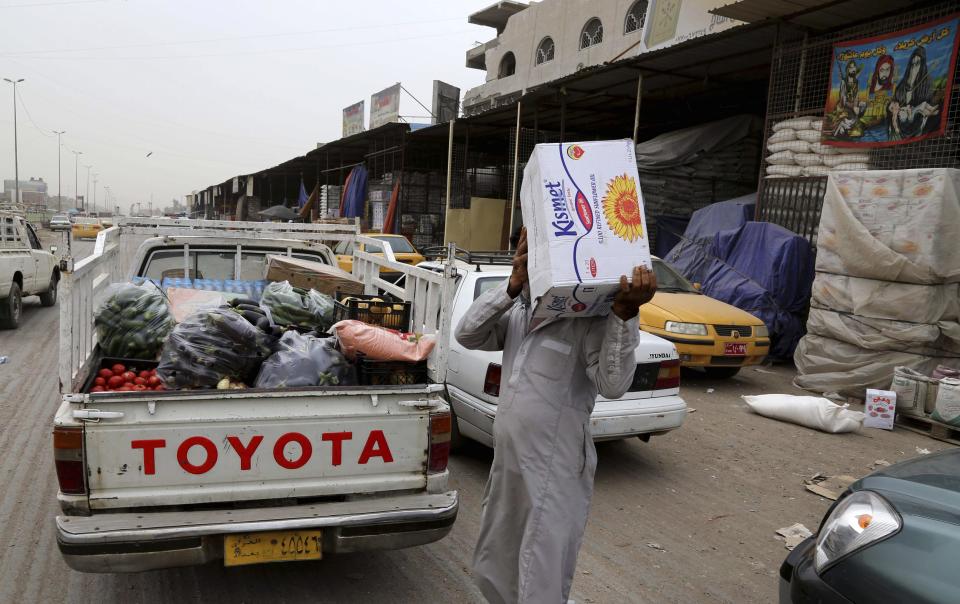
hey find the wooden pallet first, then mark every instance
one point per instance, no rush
(929, 427)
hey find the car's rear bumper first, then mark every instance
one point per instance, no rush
(623, 418)
(799, 581)
(132, 542)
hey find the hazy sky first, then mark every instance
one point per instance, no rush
(212, 88)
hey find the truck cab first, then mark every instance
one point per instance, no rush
(26, 269)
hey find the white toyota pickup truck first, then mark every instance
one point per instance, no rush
(26, 269)
(158, 479)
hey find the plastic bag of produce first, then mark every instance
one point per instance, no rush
(290, 305)
(133, 321)
(381, 344)
(211, 345)
(305, 361)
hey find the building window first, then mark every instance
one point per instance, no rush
(592, 33)
(508, 66)
(545, 50)
(636, 17)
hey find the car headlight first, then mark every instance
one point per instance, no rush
(691, 329)
(761, 331)
(860, 520)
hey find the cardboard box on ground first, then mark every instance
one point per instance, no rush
(312, 275)
(583, 211)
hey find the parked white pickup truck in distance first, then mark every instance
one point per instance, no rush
(26, 269)
(159, 479)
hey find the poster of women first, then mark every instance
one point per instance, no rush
(892, 89)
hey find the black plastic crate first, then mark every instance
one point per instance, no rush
(390, 373)
(385, 313)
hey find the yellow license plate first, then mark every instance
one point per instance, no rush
(280, 546)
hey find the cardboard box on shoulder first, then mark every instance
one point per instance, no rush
(307, 274)
(583, 211)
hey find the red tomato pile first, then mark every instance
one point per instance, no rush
(119, 379)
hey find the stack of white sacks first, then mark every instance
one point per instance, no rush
(886, 289)
(795, 150)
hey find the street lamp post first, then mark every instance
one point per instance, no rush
(86, 196)
(76, 178)
(16, 159)
(59, 133)
(95, 175)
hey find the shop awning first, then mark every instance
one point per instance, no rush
(813, 14)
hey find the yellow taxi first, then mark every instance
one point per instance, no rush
(403, 251)
(85, 228)
(708, 333)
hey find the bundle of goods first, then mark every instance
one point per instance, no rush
(886, 287)
(306, 310)
(119, 377)
(213, 345)
(795, 150)
(384, 356)
(691, 255)
(133, 321)
(303, 360)
(687, 169)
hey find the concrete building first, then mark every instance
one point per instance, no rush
(32, 192)
(543, 41)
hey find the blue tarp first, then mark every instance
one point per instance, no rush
(669, 233)
(690, 255)
(767, 271)
(356, 193)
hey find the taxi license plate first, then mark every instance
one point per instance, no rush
(734, 349)
(280, 546)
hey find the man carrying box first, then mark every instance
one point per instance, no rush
(537, 498)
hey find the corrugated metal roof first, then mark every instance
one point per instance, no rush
(814, 14)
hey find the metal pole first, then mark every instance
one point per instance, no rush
(95, 194)
(59, 187)
(446, 216)
(76, 179)
(516, 165)
(636, 111)
(16, 158)
(86, 195)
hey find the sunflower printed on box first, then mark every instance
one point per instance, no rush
(583, 210)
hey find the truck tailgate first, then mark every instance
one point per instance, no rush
(202, 448)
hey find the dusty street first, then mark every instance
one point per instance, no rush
(689, 517)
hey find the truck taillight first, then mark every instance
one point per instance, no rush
(68, 457)
(491, 383)
(439, 451)
(669, 375)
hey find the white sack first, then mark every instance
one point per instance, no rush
(784, 170)
(915, 392)
(797, 123)
(811, 136)
(816, 171)
(947, 408)
(787, 134)
(795, 146)
(851, 167)
(807, 159)
(810, 411)
(884, 335)
(823, 149)
(849, 158)
(781, 158)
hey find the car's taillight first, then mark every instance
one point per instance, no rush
(669, 375)
(491, 383)
(439, 450)
(68, 457)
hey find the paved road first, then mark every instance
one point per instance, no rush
(689, 517)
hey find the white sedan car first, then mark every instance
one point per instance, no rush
(651, 406)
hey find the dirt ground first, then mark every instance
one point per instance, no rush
(688, 517)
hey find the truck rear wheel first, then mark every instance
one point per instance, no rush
(11, 308)
(49, 297)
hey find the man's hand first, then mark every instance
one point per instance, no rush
(518, 278)
(634, 294)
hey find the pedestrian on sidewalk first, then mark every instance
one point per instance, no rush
(537, 498)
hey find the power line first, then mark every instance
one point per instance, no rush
(249, 52)
(27, 53)
(61, 3)
(27, 111)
